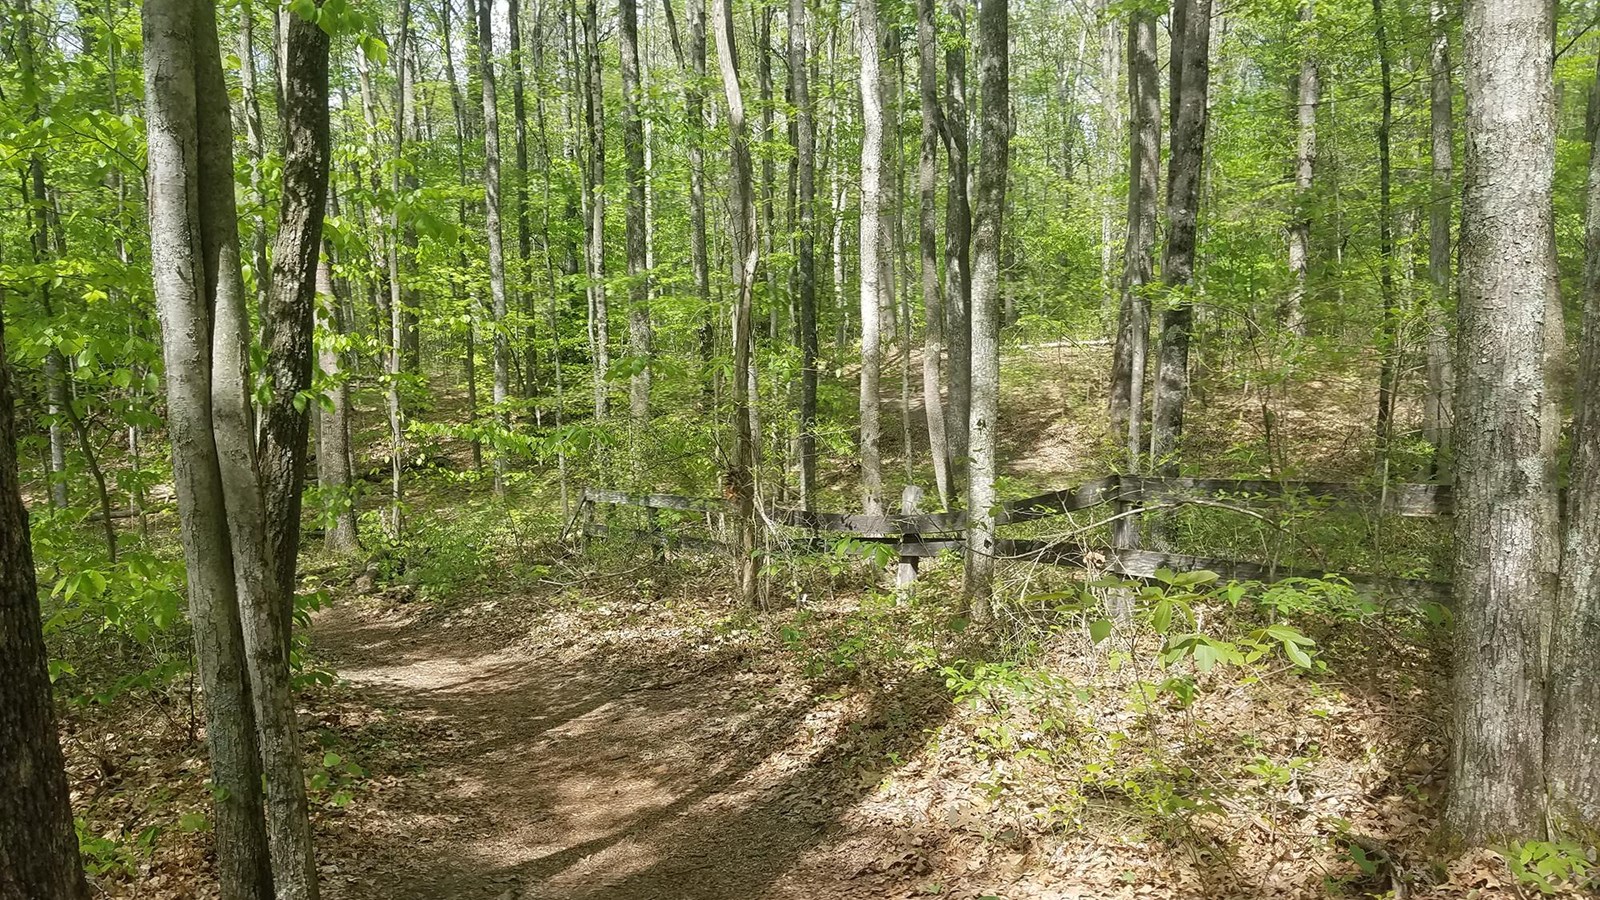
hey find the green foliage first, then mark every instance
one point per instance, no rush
(1552, 866)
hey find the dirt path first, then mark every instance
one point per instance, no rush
(556, 775)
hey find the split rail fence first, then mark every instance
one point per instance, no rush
(915, 535)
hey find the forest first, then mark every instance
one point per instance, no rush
(799, 449)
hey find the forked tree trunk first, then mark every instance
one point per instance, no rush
(1292, 315)
(744, 253)
(183, 305)
(871, 243)
(928, 243)
(38, 846)
(994, 136)
(1190, 74)
(1505, 493)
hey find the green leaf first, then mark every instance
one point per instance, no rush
(1161, 618)
(1099, 630)
(192, 822)
(331, 759)
(1296, 655)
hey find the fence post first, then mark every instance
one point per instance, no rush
(905, 578)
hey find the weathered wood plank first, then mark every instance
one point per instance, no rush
(1401, 499)
(653, 501)
(1054, 503)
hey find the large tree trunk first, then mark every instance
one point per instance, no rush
(1131, 350)
(38, 847)
(957, 237)
(1572, 745)
(183, 304)
(928, 243)
(871, 250)
(805, 241)
(497, 259)
(1292, 314)
(744, 253)
(1505, 494)
(638, 245)
(1190, 74)
(1438, 405)
(994, 136)
(265, 614)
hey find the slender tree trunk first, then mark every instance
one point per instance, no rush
(694, 70)
(1389, 335)
(1439, 402)
(871, 243)
(333, 430)
(458, 106)
(1572, 744)
(745, 256)
(1505, 493)
(957, 237)
(595, 184)
(38, 847)
(805, 243)
(521, 284)
(994, 136)
(255, 150)
(637, 243)
(1190, 73)
(928, 243)
(396, 310)
(497, 264)
(1292, 313)
(183, 304)
(1131, 350)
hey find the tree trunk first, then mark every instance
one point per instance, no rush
(1190, 74)
(396, 307)
(1572, 745)
(595, 186)
(744, 251)
(637, 243)
(694, 69)
(183, 304)
(1292, 314)
(1131, 349)
(458, 106)
(38, 847)
(957, 237)
(333, 430)
(994, 135)
(1389, 335)
(928, 243)
(805, 241)
(871, 248)
(497, 260)
(521, 284)
(1505, 493)
(1439, 402)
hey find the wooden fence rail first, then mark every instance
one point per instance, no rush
(921, 535)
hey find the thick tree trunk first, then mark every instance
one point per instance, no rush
(871, 248)
(1505, 493)
(497, 259)
(1131, 349)
(1572, 744)
(38, 847)
(183, 303)
(744, 253)
(957, 238)
(1438, 405)
(1190, 74)
(805, 243)
(633, 152)
(994, 136)
(1292, 314)
(928, 243)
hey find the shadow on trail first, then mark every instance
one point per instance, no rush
(555, 781)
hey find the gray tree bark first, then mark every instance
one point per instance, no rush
(333, 430)
(633, 151)
(871, 250)
(1190, 73)
(1131, 348)
(957, 239)
(1505, 494)
(805, 243)
(928, 243)
(595, 192)
(1292, 314)
(994, 136)
(1438, 403)
(497, 259)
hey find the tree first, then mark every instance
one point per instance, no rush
(928, 244)
(871, 249)
(633, 150)
(1190, 74)
(957, 236)
(491, 205)
(805, 242)
(333, 430)
(1388, 337)
(994, 137)
(38, 846)
(1293, 314)
(1437, 403)
(1138, 268)
(1505, 490)
(595, 193)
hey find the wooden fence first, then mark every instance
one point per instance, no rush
(917, 535)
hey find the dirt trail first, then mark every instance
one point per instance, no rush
(545, 778)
